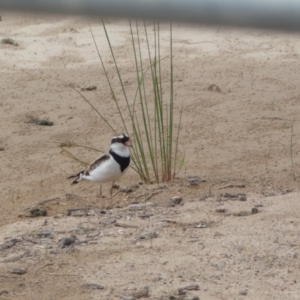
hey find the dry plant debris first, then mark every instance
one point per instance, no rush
(9, 41)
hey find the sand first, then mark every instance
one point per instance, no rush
(241, 137)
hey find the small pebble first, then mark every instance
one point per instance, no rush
(243, 292)
(214, 88)
(93, 286)
(43, 122)
(206, 196)
(176, 200)
(242, 198)
(142, 293)
(9, 41)
(3, 292)
(129, 189)
(287, 191)
(36, 212)
(8, 244)
(18, 271)
(192, 287)
(201, 224)
(67, 241)
(89, 88)
(148, 236)
(194, 180)
(145, 215)
(228, 195)
(108, 221)
(44, 234)
(135, 207)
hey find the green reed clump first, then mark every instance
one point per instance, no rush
(153, 133)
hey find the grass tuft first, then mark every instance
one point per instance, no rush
(150, 113)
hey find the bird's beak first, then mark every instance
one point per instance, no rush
(127, 144)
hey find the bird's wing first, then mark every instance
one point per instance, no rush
(96, 163)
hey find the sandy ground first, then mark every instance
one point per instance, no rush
(234, 236)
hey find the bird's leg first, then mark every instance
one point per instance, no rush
(100, 192)
(111, 193)
(100, 196)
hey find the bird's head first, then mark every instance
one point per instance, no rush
(120, 144)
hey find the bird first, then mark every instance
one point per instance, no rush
(108, 167)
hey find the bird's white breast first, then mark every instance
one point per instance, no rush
(108, 171)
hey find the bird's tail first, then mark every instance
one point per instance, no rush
(78, 177)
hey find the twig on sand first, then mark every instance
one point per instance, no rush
(116, 193)
(56, 274)
(46, 265)
(124, 284)
(139, 196)
(28, 239)
(237, 185)
(152, 194)
(73, 157)
(126, 197)
(35, 204)
(125, 225)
